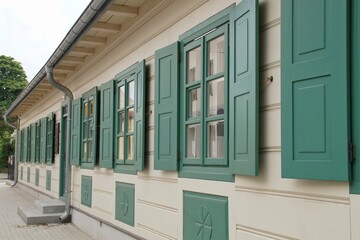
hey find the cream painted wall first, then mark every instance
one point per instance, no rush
(262, 207)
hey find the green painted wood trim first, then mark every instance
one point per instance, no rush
(166, 108)
(87, 162)
(107, 98)
(76, 122)
(355, 86)
(125, 203)
(244, 89)
(205, 216)
(86, 191)
(37, 176)
(136, 73)
(50, 130)
(315, 89)
(48, 180)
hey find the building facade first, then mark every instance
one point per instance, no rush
(201, 119)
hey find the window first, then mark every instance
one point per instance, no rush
(89, 129)
(129, 119)
(28, 144)
(213, 88)
(50, 138)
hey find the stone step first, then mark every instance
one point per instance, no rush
(50, 206)
(32, 216)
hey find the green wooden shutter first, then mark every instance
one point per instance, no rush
(25, 144)
(50, 138)
(43, 140)
(107, 125)
(75, 132)
(37, 143)
(314, 89)
(140, 91)
(18, 147)
(28, 144)
(33, 141)
(22, 145)
(166, 107)
(355, 87)
(243, 89)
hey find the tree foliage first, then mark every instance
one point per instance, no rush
(12, 82)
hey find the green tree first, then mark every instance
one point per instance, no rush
(12, 82)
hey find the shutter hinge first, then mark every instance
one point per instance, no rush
(352, 153)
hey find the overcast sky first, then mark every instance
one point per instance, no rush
(31, 30)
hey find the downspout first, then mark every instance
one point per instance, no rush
(16, 150)
(69, 95)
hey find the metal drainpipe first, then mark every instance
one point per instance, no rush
(16, 157)
(68, 93)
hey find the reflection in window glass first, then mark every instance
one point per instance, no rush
(90, 149)
(121, 148)
(131, 90)
(121, 122)
(130, 147)
(84, 150)
(215, 90)
(216, 56)
(194, 103)
(194, 65)
(91, 107)
(193, 141)
(215, 148)
(91, 128)
(130, 119)
(85, 109)
(121, 97)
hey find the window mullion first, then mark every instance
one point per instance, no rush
(203, 102)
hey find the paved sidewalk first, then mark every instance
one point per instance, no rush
(12, 227)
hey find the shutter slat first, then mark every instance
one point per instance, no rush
(166, 107)
(243, 89)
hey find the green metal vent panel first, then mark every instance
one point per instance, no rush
(37, 175)
(205, 216)
(48, 180)
(86, 190)
(125, 203)
(28, 175)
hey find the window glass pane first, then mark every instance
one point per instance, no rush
(216, 56)
(121, 148)
(65, 110)
(193, 141)
(84, 150)
(194, 103)
(91, 107)
(130, 147)
(215, 148)
(85, 109)
(131, 90)
(121, 121)
(90, 149)
(215, 91)
(84, 135)
(121, 103)
(91, 128)
(130, 119)
(193, 65)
